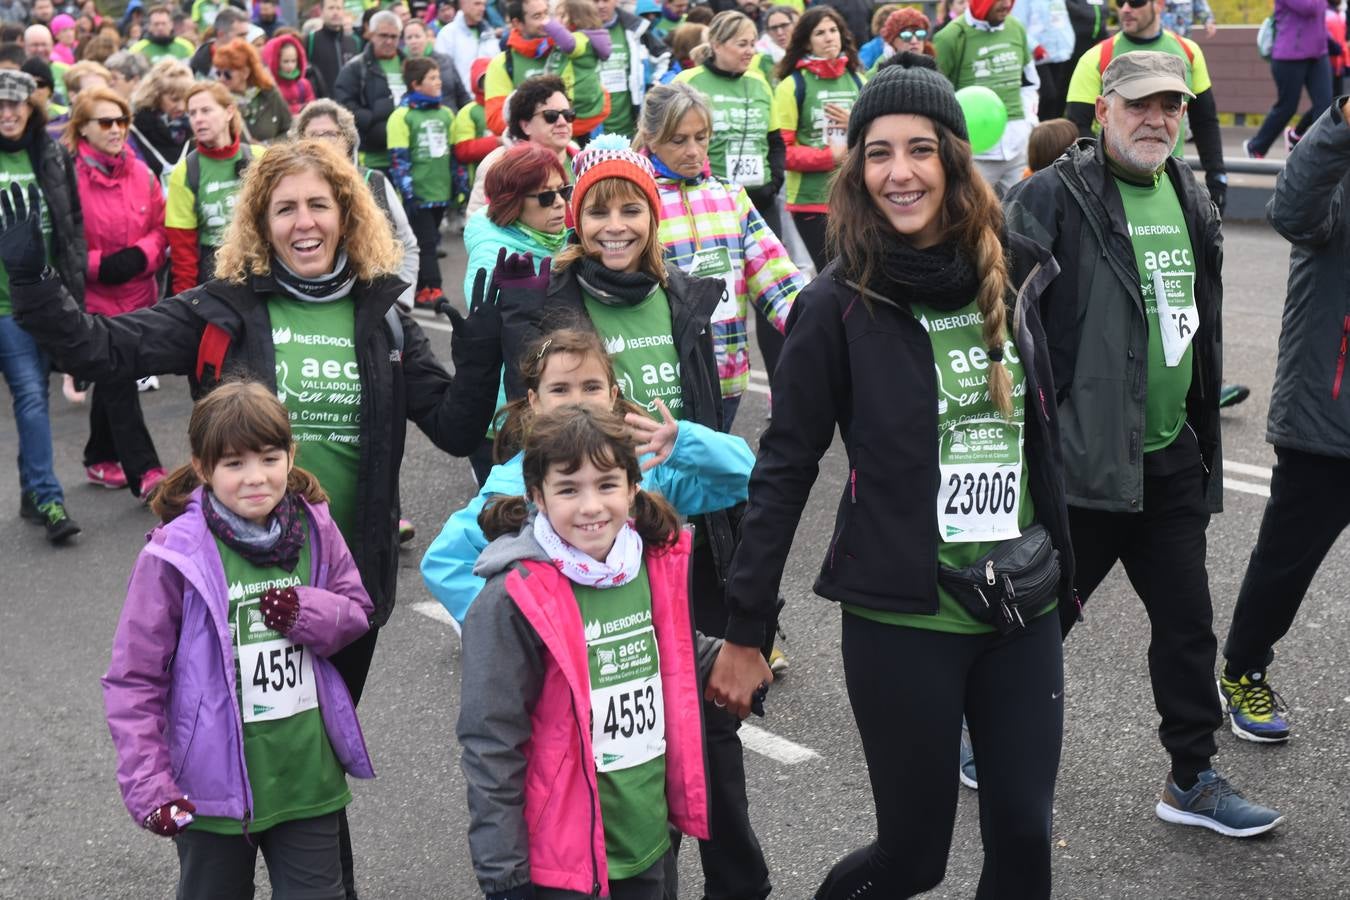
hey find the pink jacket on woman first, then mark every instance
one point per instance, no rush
(123, 206)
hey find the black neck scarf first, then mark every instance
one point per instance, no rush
(614, 288)
(942, 277)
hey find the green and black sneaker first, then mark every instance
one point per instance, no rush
(52, 514)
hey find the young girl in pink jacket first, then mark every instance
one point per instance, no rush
(580, 713)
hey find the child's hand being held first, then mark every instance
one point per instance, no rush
(280, 608)
(170, 818)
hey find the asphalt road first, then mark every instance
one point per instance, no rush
(65, 833)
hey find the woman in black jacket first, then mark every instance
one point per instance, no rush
(303, 301)
(159, 122)
(921, 342)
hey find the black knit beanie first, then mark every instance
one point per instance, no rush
(907, 83)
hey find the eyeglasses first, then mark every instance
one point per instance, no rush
(551, 115)
(385, 37)
(781, 26)
(1134, 4)
(323, 135)
(112, 122)
(917, 35)
(548, 198)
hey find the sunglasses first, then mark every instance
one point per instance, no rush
(112, 122)
(551, 115)
(1134, 4)
(921, 34)
(548, 198)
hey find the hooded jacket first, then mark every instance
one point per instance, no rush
(841, 365)
(396, 384)
(524, 719)
(329, 50)
(1310, 403)
(1098, 331)
(295, 91)
(363, 88)
(1300, 30)
(469, 133)
(170, 690)
(706, 471)
(124, 207)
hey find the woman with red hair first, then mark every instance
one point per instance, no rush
(527, 193)
(265, 112)
(906, 29)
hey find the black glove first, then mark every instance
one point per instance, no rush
(1218, 191)
(484, 321)
(122, 266)
(22, 249)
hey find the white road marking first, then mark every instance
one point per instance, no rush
(757, 388)
(1247, 487)
(434, 611)
(1246, 469)
(774, 747)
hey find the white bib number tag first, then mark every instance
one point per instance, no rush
(437, 145)
(1178, 318)
(747, 171)
(980, 495)
(276, 675)
(614, 78)
(628, 722)
(715, 262)
(831, 133)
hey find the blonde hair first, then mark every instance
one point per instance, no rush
(83, 113)
(582, 14)
(366, 234)
(77, 72)
(621, 190)
(168, 77)
(725, 27)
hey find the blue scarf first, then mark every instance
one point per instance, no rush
(418, 100)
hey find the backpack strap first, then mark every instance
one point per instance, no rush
(799, 89)
(194, 172)
(1108, 47)
(215, 343)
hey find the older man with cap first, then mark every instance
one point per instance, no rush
(1133, 325)
(28, 155)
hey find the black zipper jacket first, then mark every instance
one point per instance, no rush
(396, 385)
(866, 364)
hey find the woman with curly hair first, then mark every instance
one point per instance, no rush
(303, 301)
(947, 474)
(265, 113)
(818, 81)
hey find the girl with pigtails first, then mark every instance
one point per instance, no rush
(922, 343)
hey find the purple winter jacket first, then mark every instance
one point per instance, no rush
(1300, 29)
(170, 692)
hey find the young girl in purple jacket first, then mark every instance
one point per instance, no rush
(233, 731)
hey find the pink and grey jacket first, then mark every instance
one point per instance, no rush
(170, 691)
(524, 722)
(123, 206)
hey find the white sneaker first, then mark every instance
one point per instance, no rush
(148, 383)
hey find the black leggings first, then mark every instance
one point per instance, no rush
(811, 228)
(1011, 690)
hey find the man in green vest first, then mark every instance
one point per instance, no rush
(1141, 29)
(159, 40)
(537, 45)
(1137, 359)
(986, 47)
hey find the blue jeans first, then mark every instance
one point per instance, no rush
(1291, 77)
(25, 369)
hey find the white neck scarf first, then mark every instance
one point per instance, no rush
(620, 567)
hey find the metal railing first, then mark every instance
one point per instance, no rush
(1242, 165)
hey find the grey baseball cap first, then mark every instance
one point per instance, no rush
(16, 86)
(1142, 73)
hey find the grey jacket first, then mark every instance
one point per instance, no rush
(501, 675)
(1097, 330)
(1310, 405)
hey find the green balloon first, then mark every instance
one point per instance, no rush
(986, 116)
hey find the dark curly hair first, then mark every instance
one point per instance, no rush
(525, 102)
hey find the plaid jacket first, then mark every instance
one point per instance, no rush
(698, 214)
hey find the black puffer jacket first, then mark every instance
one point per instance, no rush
(363, 88)
(395, 386)
(867, 366)
(1310, 405)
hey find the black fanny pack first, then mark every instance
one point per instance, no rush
(1017, 577)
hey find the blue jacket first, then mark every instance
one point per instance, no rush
(706, 471)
